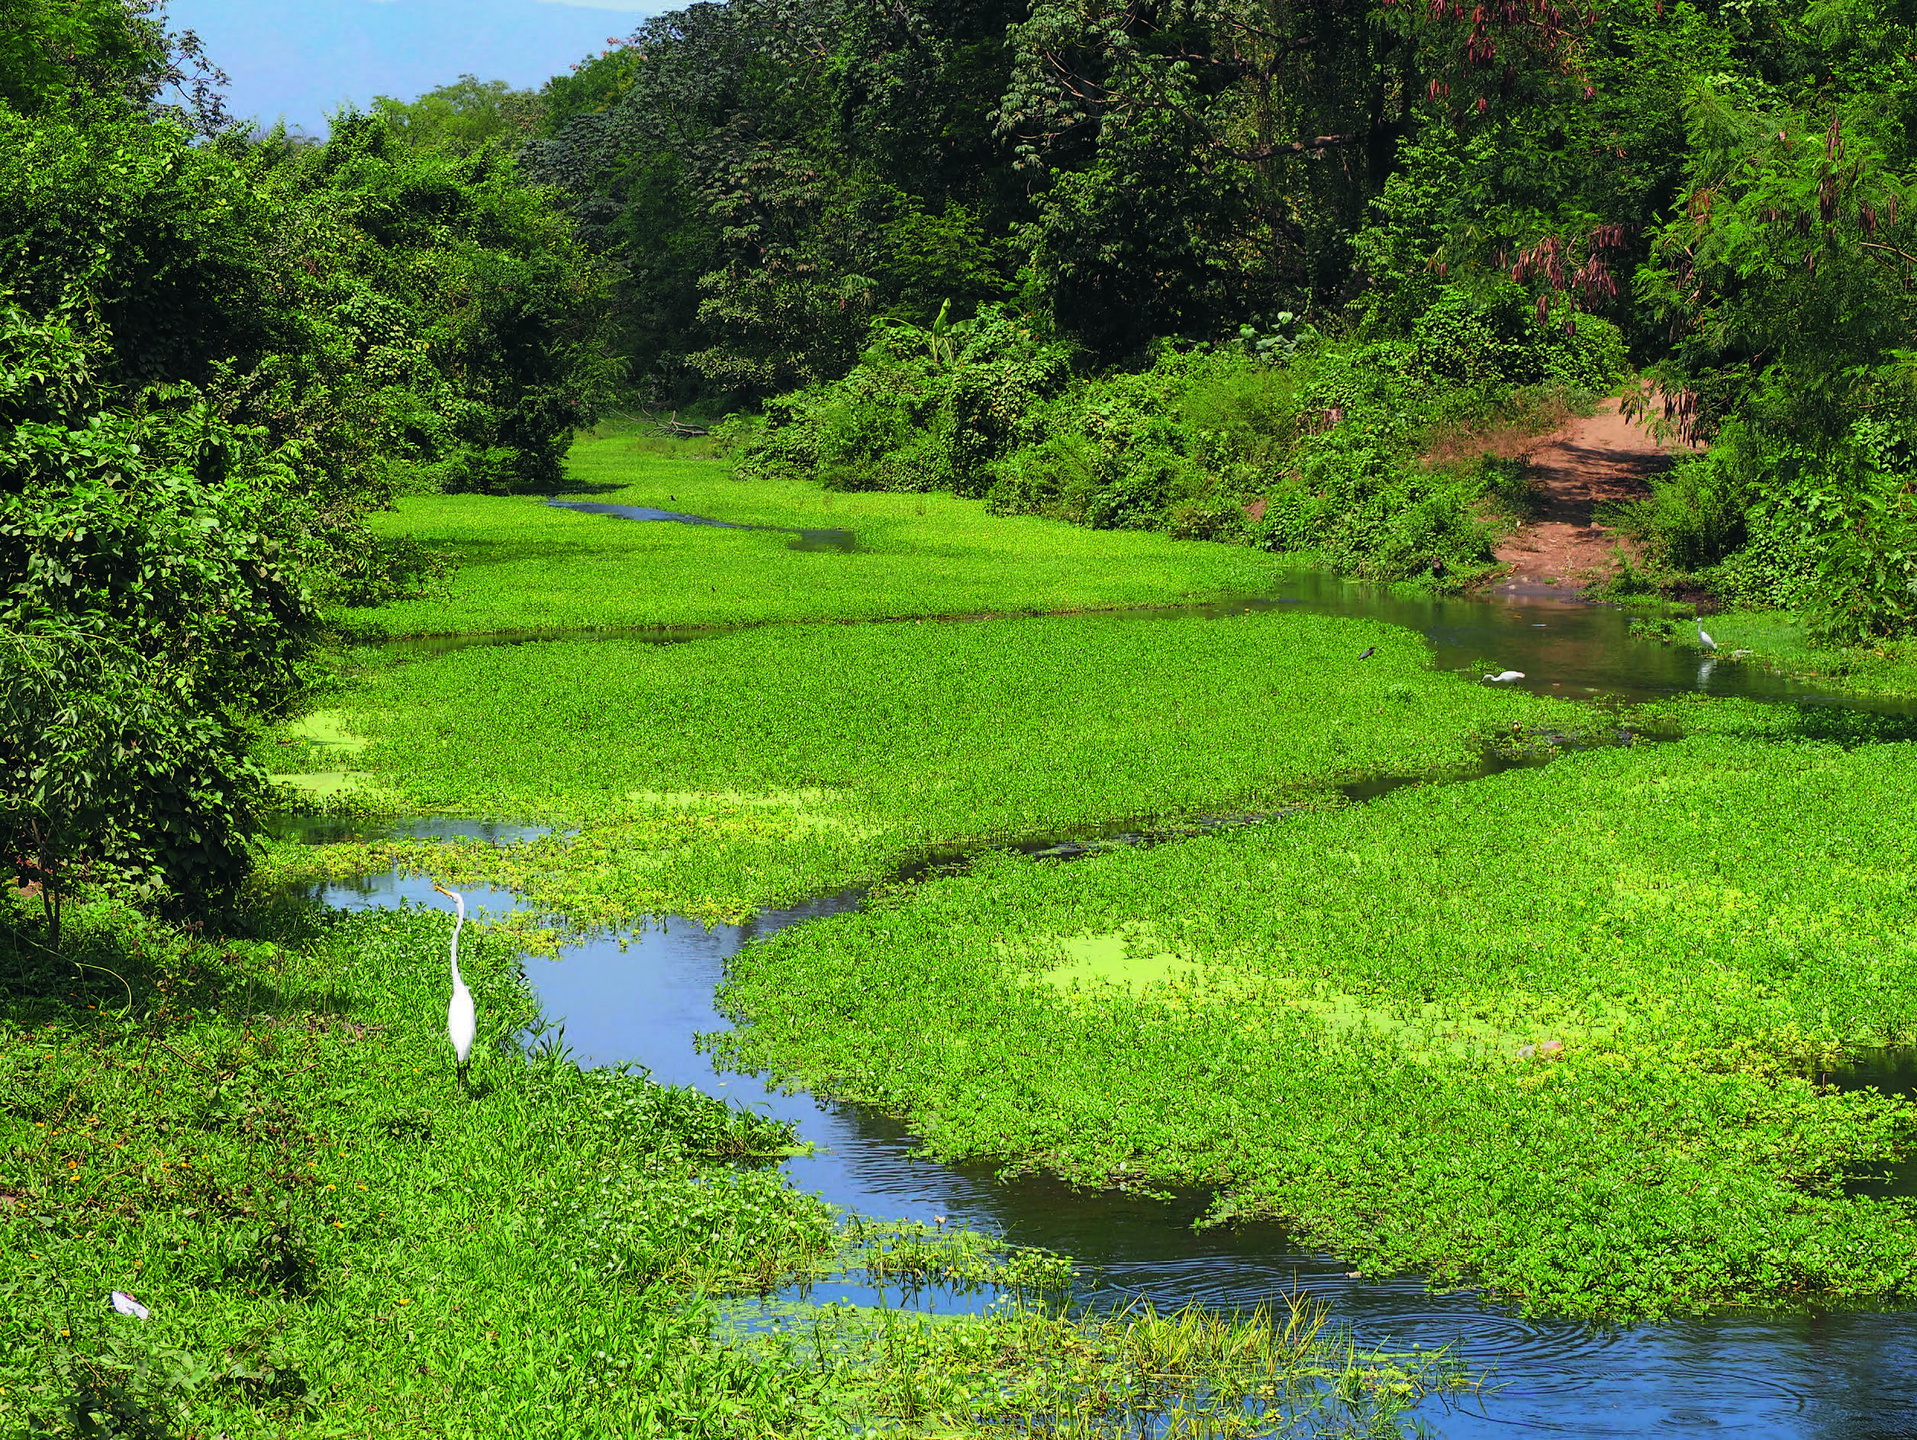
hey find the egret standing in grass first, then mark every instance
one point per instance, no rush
(460, 1021)
(1703, 639)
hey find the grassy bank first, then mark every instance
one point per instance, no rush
(266, 1146)
(773, 765)
(524, 565)
(1327, 1020)
(262, 1142)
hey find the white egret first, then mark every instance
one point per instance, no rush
(1506, 675)
(1703, 639)
(127, 1305)
(460, 1021)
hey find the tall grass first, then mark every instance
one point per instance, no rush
(1278, 1370)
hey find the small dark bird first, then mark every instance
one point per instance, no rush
(1437, 569)
(1369, 653)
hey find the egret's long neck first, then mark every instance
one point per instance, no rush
(457, 926)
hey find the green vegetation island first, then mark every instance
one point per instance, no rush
(1299, 617)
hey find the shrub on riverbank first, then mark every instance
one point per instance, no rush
(1349, 1020)
(1285, 441)
(214, 358)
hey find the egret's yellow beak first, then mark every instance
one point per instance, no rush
(444, 891)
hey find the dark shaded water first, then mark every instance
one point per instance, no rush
(333, 829)
(841, 541)
(1828, 1376)
(1895, 1073)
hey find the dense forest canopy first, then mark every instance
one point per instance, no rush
(1153, 170)
(1721, 182)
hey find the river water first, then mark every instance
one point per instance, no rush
(1830, 1375)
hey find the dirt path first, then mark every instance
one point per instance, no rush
(1587, 461)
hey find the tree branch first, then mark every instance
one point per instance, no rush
(1296, 147)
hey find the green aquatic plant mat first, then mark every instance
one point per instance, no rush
(263, 1143)
(770, 766)
(1277, 1370)
(262, 1146)
(1555, 1032)
(525, 565)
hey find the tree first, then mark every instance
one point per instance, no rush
(454, 324)
(149, 611)
(466, 115)
(771, 175)
(54, 53)
(1788, 280)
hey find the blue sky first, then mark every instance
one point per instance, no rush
(302, 58)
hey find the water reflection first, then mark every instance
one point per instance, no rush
(336, 829)
(1565, 646)
(643, 995)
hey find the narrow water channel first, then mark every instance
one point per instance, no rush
(841, 541)
(1831, 1375)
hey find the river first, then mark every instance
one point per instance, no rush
(1824, 1375)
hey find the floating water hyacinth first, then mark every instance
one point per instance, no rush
(127, 1305)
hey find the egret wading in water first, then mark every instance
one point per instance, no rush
(460, 1021)
(1503, 675)
(1703, 639)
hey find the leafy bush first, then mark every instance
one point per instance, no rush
(152, 606)
(1827, 529)
(1492, 332)
(1287, 442)
(110, 772)
(1694, 517)
(453, 290)
(925, 409)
